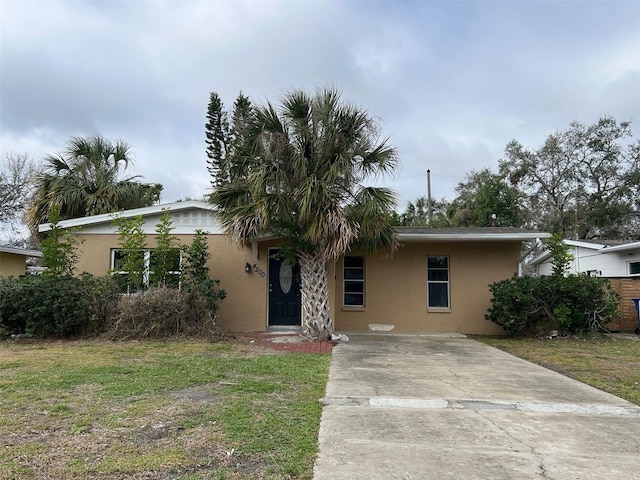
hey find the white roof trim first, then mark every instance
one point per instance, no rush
(622, 248)
(145, 211)
(21, 251)
(540, 258)
(578, 243)
(471, 237)
(592, 246)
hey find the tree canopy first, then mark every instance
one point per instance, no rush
(583, 181)
(480, 196)
(483, 195)
(15, 188)
(88, 178)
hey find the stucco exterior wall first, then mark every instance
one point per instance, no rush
(396, 290)
(12, 265)
(243, 309)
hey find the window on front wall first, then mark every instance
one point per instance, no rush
(634, 268)
(353, 281)
(165, 271)
(119, 270)
(153, 273)
(438, 282)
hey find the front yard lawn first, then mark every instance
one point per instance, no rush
(158, 410)
(610, 363)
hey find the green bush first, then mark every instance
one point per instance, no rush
(572, 304)
(195, 275)
(55, 306)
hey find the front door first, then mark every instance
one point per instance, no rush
(284, 292)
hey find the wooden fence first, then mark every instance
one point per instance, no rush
(628, 288)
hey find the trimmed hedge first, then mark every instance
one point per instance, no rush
(571, 304)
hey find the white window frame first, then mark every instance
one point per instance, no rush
(148, 271)
(345, 280)
(146, 274)
(440, 282)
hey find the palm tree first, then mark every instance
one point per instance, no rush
(301, 178)
(87, 179)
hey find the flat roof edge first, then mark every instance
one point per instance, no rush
(469, 237)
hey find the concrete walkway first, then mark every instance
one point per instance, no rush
(448, 407)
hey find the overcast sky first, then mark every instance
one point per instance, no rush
(451, 82)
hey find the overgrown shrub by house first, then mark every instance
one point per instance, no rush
(162, 312)
(56, 306)
(189, 308)
(571, 304)
(195, 275)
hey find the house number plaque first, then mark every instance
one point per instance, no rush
(258, 270)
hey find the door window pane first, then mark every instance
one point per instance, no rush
(286, 277)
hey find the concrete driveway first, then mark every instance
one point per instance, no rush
(448, 407)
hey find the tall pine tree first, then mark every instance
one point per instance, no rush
(226, 140)
(217, 137)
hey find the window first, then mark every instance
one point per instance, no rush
(150, 261)
(438, 282)
(634, 268)
(353, 281)
(118, 269)
(168, 273)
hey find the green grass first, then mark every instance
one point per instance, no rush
(610, 363)
(183, 409)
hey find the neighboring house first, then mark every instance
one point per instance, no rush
(13, 261)
(438, 281)
(611, 259)
(616, 260)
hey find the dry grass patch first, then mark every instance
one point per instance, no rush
(158, 410)
(608, 362)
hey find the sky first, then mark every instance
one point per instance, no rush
(450, 82)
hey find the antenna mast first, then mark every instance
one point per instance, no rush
(429, 196)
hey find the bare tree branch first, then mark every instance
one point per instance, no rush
(16, 186)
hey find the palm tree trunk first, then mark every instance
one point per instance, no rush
(316, 313)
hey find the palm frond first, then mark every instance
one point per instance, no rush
(87, 179)
(300, 172)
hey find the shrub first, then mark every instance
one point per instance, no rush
(195, 274)
(55, 306)
(572, 304)
(560, 254)
(59, 248)
(162, 312)
(165, 258)
(515, 304)
(132, 240)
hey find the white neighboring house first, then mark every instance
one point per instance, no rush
(610, 259)
(618, 261)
